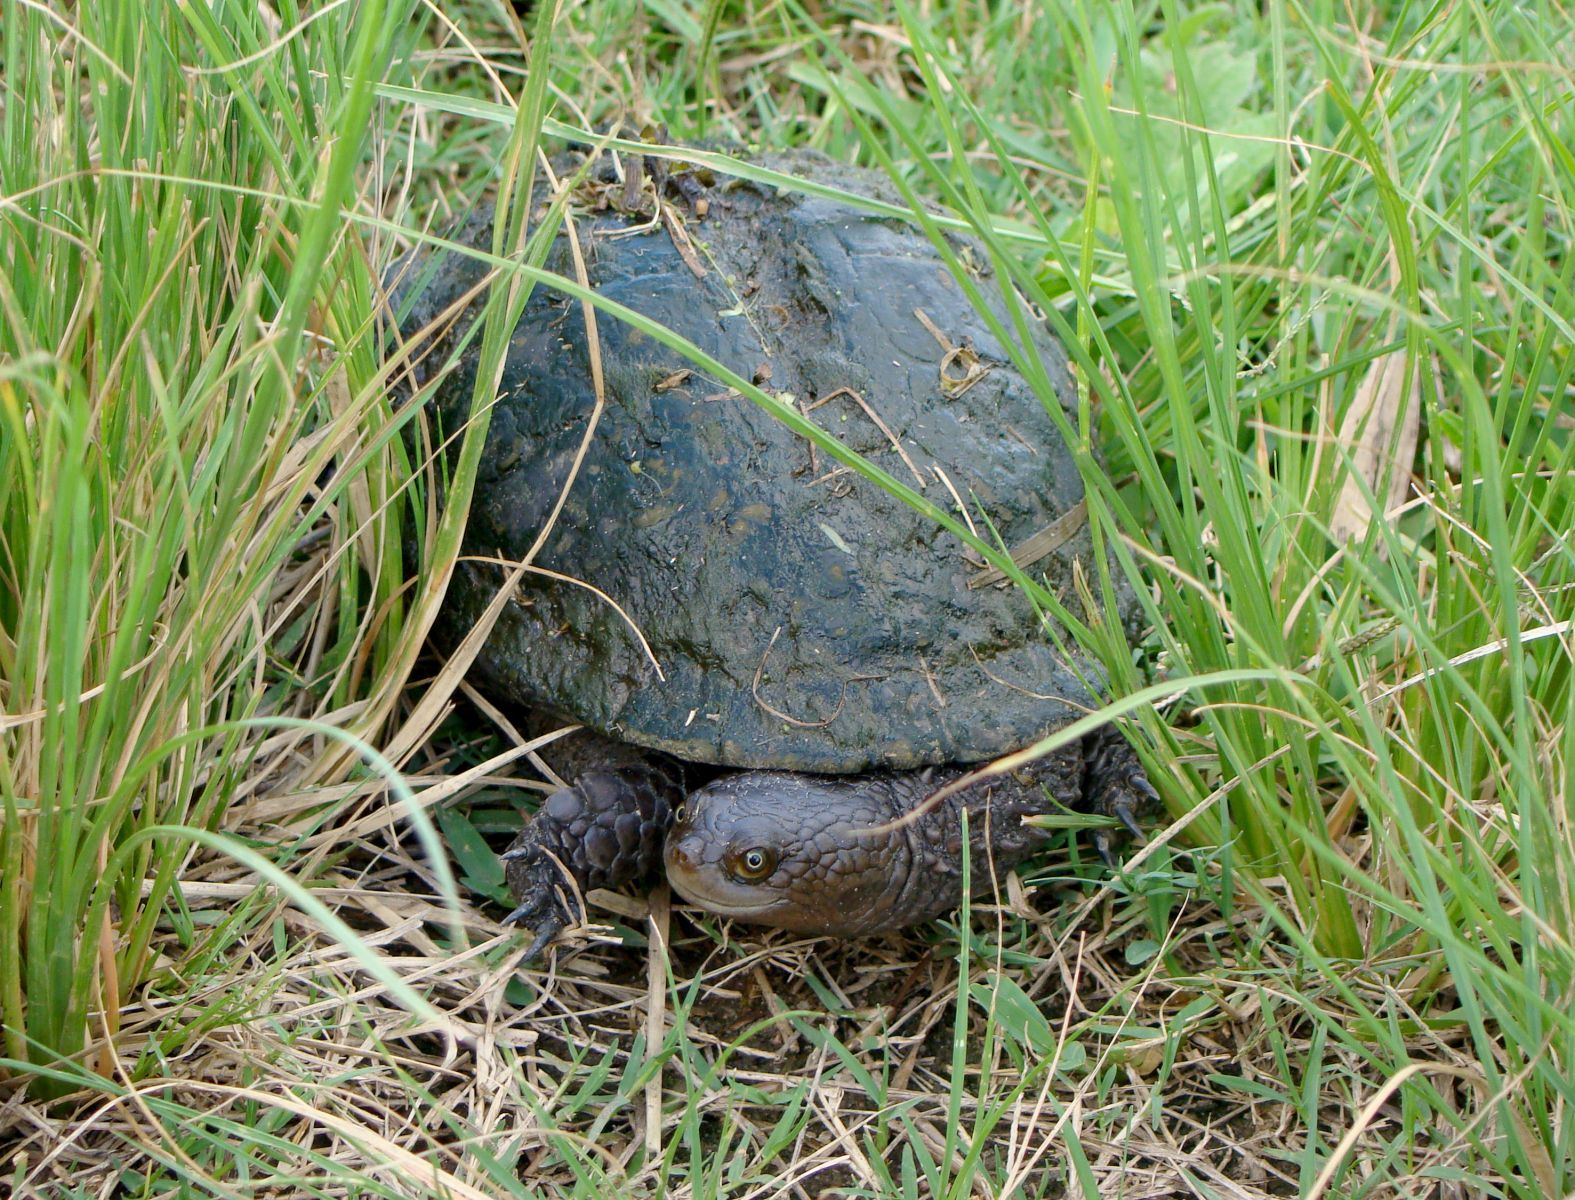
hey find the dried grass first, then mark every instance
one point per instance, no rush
(354, 1090)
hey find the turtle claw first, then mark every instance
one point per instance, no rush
(1126, 804)
(545, 925)
(1105, 844)
(547, 930)
(529, 915)
(536, 881)
(1127, 807)
(1124, 808)
(542, 914)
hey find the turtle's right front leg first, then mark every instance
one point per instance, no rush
(605, 831)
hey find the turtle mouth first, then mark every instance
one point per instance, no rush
(724, 907)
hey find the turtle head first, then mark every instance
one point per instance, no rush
(814, 854)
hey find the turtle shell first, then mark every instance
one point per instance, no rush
(801, 617)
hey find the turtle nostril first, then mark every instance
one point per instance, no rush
(678, 857)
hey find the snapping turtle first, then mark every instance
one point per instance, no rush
(800, 626)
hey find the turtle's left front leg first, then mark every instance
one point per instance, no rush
(1115, 785)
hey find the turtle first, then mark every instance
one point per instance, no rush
(792, 659)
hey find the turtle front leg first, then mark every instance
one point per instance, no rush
(1115, 785)
(605, 831)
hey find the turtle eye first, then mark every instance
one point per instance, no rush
(751, 865)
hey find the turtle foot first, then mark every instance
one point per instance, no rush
(1116, 785)
(538, 883)
(605, 831)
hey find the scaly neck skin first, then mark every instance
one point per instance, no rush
(854, 856)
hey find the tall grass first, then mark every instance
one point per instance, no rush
(1248, 223)
(186, 354)
(1420, 223)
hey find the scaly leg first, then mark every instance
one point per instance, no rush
(1115, 785)
(605, 831)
